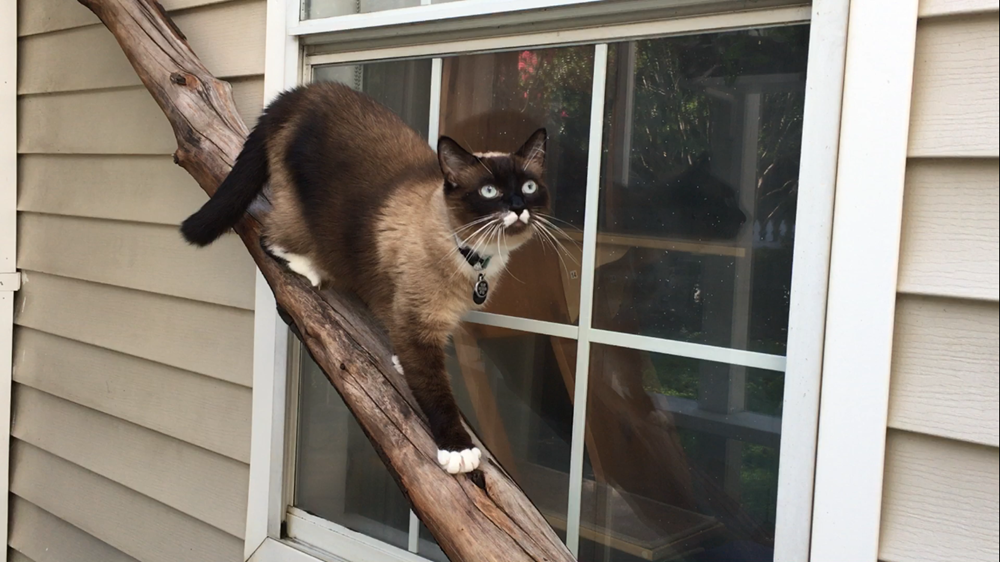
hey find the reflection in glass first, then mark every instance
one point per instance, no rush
(402, 86)
(515, 389)
(670, 476)
(338, 475)
(493, 102)
(698, 186)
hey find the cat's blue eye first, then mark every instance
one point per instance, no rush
(489, 192)
(529, 187)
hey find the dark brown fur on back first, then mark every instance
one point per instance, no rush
(364, 201)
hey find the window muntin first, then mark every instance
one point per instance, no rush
(710, 378)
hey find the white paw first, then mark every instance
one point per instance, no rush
(299, 264)
(396, 364)
(456, 462)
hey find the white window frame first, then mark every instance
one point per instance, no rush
(10, 279)
(286, 66)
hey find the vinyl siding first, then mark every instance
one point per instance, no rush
(132, 350)
(940, 495)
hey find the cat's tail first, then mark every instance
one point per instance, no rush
(234, 196)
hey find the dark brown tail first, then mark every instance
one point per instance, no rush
(234, 196)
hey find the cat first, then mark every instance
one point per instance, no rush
(362, 203)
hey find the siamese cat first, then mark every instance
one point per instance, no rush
(362, 203)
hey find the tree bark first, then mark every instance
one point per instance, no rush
(478, 517)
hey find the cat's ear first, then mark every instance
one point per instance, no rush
(453, 159)
(533, 151)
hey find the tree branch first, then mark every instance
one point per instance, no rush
(478, 518)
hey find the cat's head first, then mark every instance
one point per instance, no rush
(493, 197)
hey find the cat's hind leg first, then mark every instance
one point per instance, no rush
(298, 263)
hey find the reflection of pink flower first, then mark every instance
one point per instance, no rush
(526, 63)
(563, 114)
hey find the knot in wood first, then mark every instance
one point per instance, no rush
(178, 78)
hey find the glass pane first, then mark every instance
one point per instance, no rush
(677, 466)
(402, 86)
(698, 187)
(515, 389)
(338, 475)
(493, 102)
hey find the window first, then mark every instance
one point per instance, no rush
(631, 371)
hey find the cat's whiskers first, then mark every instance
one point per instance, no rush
(547, 226)
(546, 238)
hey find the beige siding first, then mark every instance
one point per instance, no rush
(46, 538)
(117, 515)
(138, 256)
(200, 410)
(941, 500)
(225, 36)
(951, 210)
(205, 485)
(147, 188)
(945, 369)
(133, 351)
(125, 121)
(956, 106)
(940, 497)
(40, 16)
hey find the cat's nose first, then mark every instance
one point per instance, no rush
(517, 204)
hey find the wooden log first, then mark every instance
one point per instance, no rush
(477, 517)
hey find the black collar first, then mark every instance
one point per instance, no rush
(477, 261)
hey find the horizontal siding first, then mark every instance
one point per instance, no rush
(149, 189)
(194, 481)
(229, 37)
(123, 518)
(133, 351)
(15, 556)
(946, 369)
(200, 410)
(46, 538)
(955, 110)
(940, 501)
(209, 339)
(931, 8)
(138, 256)
(951, 228)
(123, 121)
(40, 16)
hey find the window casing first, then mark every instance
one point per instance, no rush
(578, 343)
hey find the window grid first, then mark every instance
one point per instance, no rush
(583, 333)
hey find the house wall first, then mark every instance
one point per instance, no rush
(940, 495)
(132, 350)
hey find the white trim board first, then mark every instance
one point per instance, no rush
(8, 239)
(265, 503)
(810, 273)
(695, 24)
(862, 292)
(807, 321)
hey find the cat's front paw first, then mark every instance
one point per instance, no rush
(459, 462)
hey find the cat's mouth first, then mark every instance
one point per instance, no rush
(516, 222)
